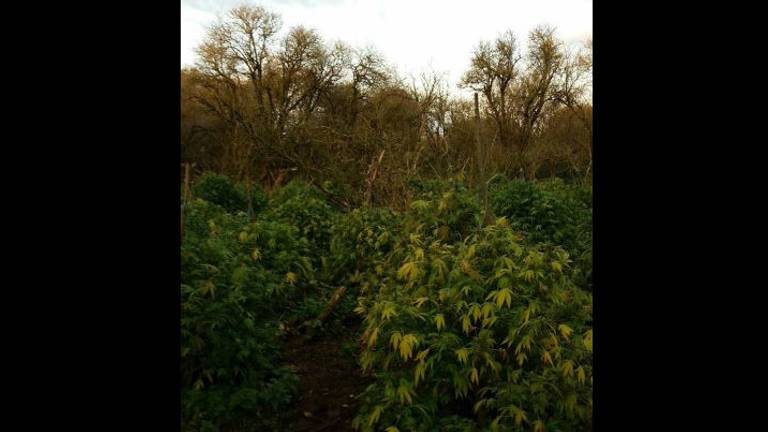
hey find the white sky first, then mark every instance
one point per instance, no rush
(413, 35)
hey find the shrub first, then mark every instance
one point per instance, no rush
(360, 238)
(489, 331)
(220, 190)
(236, 277)
(303, 206)
(446, 209)
(550, 212)
(233, 197)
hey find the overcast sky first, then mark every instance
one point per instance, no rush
(414, 35)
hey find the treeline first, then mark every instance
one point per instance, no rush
(263, 105)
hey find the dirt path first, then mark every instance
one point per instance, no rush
(330, 383)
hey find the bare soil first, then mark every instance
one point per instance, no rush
(330, 382)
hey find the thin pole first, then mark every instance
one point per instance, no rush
(185, 198)
(481, 159)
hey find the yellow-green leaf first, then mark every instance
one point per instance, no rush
(462, 354)
(440, 267)
(504, 296)
(404, 392)
(395, 339)
(444, 294)
(528, 275)
(408, 271)
(487, 310)
(518, 413)
(439, 321)
(466, 324)
(521, 358)
(479, 404)
(208, 287)
(493, 364)
(525, 342)
(423, 354)
(375, 414)
(565, 330)
(291, 277)
(419, 301)
(419, 371)
(487, 322)
(568, 368)
(475, 311)
(588, 340)
(531, 309)
(570, 403)
(406, 346)
(374, 335)
(388, 311)
(519, 417)
(418, 253)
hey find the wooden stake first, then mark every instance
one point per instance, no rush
(481, 160)
(185, 199)
(249, 201)
(335, 298)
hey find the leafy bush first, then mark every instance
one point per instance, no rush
(303, 206)
(221, 190)
(550, 212)
(360, 238)
(236, 277)
(540, 213)
(488, 331)
(446, 209)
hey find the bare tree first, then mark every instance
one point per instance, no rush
(260, 84)
(265, 103)
(574, 89)
(431, 94)
(536, 90)
(494, 69)
(518, 90)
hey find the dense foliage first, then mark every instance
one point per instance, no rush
(237, 277)
(550, 212)
(465, 326)
(221, 190)
(488, 331)
(305, 207)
